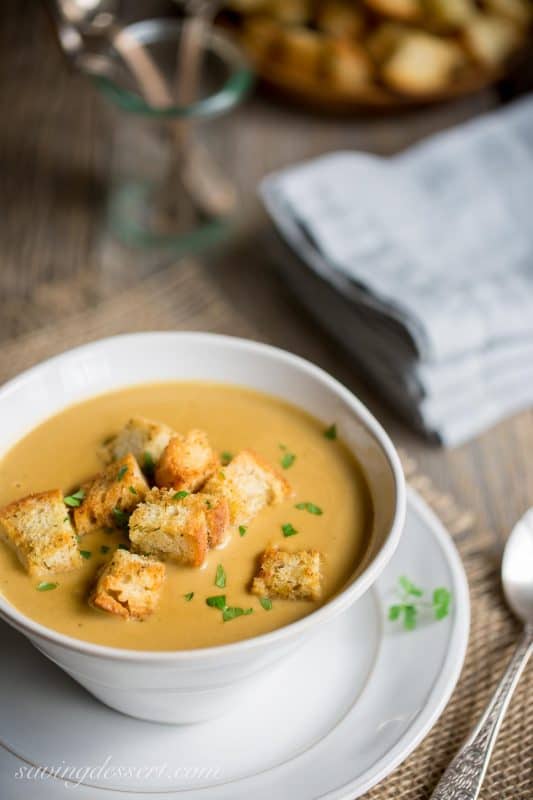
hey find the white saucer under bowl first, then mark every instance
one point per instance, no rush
(337, 717)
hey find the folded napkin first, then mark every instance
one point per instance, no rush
(428, 258)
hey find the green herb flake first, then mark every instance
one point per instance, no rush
(288, 529)
(180, 495)
(242, 530)
(413, 603)
(220, 578)
(225, 458)
(74, 500)
(85, 554)
(122, 471)
(217, 601)
(44, 586)
(104, 549)
(409, 588)
(331, 432)
(266, 602)
(231, 612)
(311, 508)
(441, 602)
(66, 519)
(132, 489)
(189, 596)
(287, 460)
(123, 547)
(121, 518)
(148, 463)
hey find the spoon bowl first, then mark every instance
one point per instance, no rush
(517, 569)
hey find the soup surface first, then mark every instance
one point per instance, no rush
(62, 453)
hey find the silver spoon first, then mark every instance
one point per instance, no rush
(463, 778)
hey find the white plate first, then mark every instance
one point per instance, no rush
(331, 722)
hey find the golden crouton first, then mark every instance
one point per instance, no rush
(519, 11)
(382, 43)
(302, 49)
(293, 576)
(139, 436)
(348, 65)
(180, 528)
(397, 9)
(340, 18)
(259, 36)
(129, 585)
(449, 14)
(249, 484)
(491, 39)
(187, 462)
(111, 496)
(38, 528)
(422, 64)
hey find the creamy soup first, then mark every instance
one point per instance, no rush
(62, 453)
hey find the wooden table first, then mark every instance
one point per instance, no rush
(55, 151)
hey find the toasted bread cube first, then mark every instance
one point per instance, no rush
(129, 586)
(138, 436)
(111, 496)
(340, 18)
(290, 12)
(259, 36)
(302, 49)
(187, 462)
(292, 576)
(397, 9)
(348, 65)
(519, 11)
(491, 39)
(249, 484)
(177, 528)
(422, 64)
(382, 43)
(38, 528)
(450, 14)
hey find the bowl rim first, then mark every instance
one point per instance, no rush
(331, 608)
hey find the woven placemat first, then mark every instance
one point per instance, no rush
(187, 299)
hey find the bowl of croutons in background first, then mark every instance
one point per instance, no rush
(182, 686)
(341, 55)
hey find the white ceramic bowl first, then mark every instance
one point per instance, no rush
(189, 686)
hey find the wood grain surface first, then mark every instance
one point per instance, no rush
(56, 152)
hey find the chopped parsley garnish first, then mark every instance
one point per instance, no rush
(123, 547)
(288, 529)
(121, 518)
(225, 458)
(104, 549)
(132, 489)
(220, 578)
(208, 504)
(74, 500)
(122, 471)
(310, 507)
(217, 601)
(266, 602)
(44, 586)
(411, 604)
(189, 596)
(66, 519)
(180, 495)
(231, 612)
(331, 432)
(148, 463)
(287, 460)
(85, 553)
(242, 529)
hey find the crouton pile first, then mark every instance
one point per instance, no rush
(175, 499)
(364, 49)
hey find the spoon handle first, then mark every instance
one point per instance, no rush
(463, 778)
